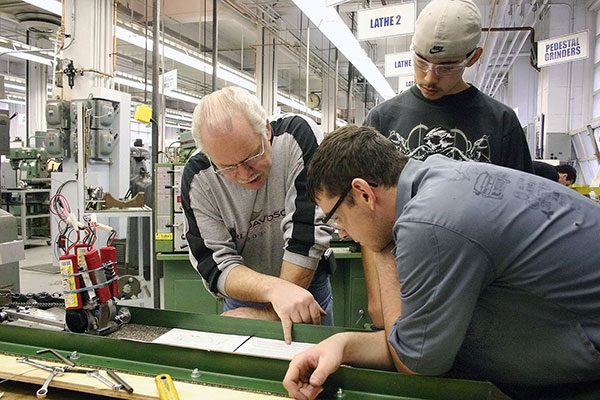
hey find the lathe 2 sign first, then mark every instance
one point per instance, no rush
(386, 21)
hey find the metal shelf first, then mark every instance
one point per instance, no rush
(24, 217)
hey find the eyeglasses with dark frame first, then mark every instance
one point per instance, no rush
(333, 223)
(441, 69)
(248, 162)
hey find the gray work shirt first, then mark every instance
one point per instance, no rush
(500, 273)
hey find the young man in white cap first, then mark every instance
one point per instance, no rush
(443, 114)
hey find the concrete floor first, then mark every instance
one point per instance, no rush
(33, 281)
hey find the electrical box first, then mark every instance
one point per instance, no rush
(169, 234)
(103, 133)
(4, 132)
(58, 119)
(557, 146)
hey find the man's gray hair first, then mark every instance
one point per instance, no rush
(218, 111)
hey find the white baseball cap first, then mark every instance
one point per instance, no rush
(447, 29)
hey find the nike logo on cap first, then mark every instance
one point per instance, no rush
(436, 49)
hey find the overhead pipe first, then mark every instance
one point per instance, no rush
(496, 19)
(569, 66)
(350, 78)
(155, 110)
(497, 54)
(509, 52)
(541, 9)
(320, 63)
(529, 29)
(215, 44)
(307, 64)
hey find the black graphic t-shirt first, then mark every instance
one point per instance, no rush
(469, 125)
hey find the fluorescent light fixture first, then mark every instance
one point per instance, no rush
(11, 101)
(48, 5)
(24, 55)
(140, 85)
(131, 83)
(223, 72)
(14, 87)
(331, 25)
(185, 127)
(181, 96)
(178, 116)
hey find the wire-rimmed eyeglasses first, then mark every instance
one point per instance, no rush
(248, 162)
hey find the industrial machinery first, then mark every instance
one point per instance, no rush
(140, 182)
(30, 166)
(89, 275)
(211, 374)
(9, 271)
(169, 232)
(26, 196)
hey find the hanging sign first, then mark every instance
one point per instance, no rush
(169, 80)
(386, 21)
(405, 82)
(399, 64)
(562, 49)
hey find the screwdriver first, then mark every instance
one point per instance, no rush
(166, 389)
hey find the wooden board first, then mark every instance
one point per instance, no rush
(144, 386)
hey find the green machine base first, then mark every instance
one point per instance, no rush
(227, 369)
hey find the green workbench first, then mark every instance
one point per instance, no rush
(184, 291)
(228, 369)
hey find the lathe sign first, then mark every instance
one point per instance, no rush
(562, 49)
(386, 21)
(399, 64)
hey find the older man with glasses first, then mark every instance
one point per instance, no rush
(255, 238)
(443, 114)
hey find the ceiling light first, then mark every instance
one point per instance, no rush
(331, 25)
(12, 101)
(24, 55)
(48, 5)
(223, 72)
(14, 87)
(170, 93)
(182, 96)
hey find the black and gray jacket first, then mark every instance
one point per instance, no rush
(229, 225)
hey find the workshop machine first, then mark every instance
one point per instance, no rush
(9, 271)
(135, 353)
(169, 232)
(30, 166)
(140, 181)
(25, 192)
(187, 146)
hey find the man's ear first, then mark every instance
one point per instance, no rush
(365, 192)
(478, 52)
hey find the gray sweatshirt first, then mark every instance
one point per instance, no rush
(229, 225)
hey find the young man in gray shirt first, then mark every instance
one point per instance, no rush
(498, 267)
